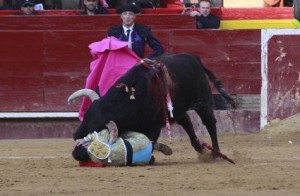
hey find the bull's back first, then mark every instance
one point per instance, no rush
(190, 85)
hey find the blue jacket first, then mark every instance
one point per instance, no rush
(140, 36)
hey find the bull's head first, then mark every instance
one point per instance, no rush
(129, 103)
(80, 133)
(117, 105)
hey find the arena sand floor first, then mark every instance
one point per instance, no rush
(267, 163)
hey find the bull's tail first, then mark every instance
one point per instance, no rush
(218, 85)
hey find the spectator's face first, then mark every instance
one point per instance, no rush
(90, 5)
(27, 9)
(204, 8)
(128, 18)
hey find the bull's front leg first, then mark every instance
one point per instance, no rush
(187, 125)
(154, 133)
(209, 120)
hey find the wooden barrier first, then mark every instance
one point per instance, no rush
(280, 74)
(40, 69)
(45, 58)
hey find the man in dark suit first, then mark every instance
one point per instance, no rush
(93, 7)
(137, 35)
(204, 18)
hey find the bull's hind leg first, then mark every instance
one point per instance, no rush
(208, 118)
(186, 123)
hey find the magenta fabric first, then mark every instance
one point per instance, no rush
(112, 58)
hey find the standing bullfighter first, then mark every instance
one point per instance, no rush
(137, 35)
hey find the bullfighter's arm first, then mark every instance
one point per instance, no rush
(154, 45)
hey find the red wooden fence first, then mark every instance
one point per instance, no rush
(45, 58)
(39, 69)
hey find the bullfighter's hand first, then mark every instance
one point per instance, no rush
(82, 142)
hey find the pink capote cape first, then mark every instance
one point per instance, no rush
(112, 58)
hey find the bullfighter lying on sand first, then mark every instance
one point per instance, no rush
(130, 149)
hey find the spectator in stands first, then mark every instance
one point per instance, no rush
(17, 4)
(92, 7)
(27, 7)
(136, 34)
(204, 18)
(278, 3)
(273, 3)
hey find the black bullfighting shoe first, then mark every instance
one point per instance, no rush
(166, 150)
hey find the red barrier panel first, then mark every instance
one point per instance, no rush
(233, 55)
(283, 76)
(40, 69)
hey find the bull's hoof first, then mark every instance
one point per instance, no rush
(216, 159)
(208, 157)
(205, 156)
(166, 150)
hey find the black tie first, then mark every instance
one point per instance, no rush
(127, 33)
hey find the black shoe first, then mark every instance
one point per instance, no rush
(166, 150)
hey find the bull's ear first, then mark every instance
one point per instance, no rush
(113, 131)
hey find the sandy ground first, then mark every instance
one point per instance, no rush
(267, 163)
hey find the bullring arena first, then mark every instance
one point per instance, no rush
(267, 163)
(259, 66)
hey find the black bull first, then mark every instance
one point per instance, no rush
(185, 78)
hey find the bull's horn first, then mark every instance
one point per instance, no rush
(83, 92)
